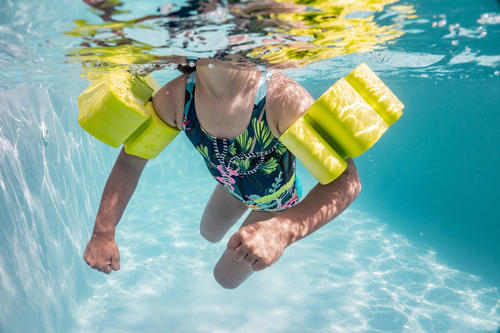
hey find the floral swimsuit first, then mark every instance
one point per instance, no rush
(255, 166)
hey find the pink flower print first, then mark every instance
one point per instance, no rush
(290, 203)
(225, 178)
(185, 123)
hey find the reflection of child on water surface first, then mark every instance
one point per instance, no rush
(233, 117)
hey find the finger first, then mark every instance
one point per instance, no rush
(115, 264)
(250, 259)
(234, 242)
(259, 265)
(240, 253)
(107, 269)
(87, 257)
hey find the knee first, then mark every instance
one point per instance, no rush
(223, 281)
(209, 235)
(230, 273)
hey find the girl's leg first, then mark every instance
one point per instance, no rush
(220, 214)
(229, 272)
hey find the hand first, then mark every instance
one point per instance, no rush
(102, 254)
(259, 244)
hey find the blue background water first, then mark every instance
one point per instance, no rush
(417, 252)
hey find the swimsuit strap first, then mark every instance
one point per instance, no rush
(259, 110)
(191, 81)
(261, 91)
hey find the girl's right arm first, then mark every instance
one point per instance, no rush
(101, 252)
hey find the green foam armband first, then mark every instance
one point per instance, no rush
(344, 122)
(116, 110)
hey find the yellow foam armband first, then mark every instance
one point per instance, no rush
(116, 109)
(344, 122)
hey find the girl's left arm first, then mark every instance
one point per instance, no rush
(288, 101)
(321, 205)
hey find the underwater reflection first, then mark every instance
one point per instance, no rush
(280, 33)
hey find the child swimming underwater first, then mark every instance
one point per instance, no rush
(234, 117)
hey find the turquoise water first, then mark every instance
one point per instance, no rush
(417, 252)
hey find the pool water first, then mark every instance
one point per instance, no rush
(418, 251)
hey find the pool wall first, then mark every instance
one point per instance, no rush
(47, 199)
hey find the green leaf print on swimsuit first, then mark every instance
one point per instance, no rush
(262, 132)
(244, 141)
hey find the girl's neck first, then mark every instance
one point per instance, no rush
(221, 81)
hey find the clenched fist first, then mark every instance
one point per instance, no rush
(259, 244)
(102, 254)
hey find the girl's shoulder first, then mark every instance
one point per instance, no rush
(169, 101)
(286, 101)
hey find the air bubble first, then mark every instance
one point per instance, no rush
(442, 23)
(454, 42)
(496, 73)
(210, 66)
(192, 64)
